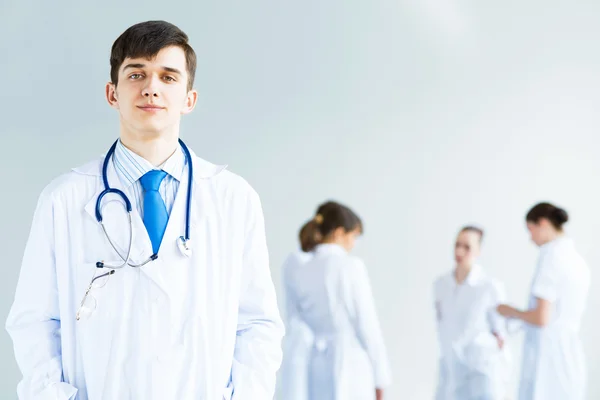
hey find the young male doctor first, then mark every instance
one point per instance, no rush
(173, 300)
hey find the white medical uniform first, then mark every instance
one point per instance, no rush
(298, 339)
(472, 366)
(204, 327)
(553, 366)
(332, 295)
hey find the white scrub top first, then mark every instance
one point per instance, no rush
(332, 295)
(472, 366)
(553, 366)
(298, 339)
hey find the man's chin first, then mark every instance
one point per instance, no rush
(152, 131)
(148, 129)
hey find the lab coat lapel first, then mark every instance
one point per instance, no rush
(169, 272)
(165, 268)
(176, 225)
(173, 269)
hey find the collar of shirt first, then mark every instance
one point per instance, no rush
(559, 241)
(131, 167)
(474, 277)
(330, 248)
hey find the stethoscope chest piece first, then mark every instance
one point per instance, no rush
(184, 246)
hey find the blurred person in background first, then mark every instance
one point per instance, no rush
(553, 363)
(332, 295)
(298, 339)
(474, 365)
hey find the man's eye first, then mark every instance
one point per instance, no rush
(169, 79)
(135, 76)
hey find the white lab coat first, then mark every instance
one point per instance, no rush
(332, 295)
(553, 365)
(471, 366)
(298, 339)
(205, 327)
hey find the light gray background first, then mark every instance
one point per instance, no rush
(422, 115)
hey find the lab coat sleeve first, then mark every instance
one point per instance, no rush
(474, 346)
(258, 354)
(291, 312)
(367, 325)
(545, 284)
(296, 329)
(292, 315)
(296, 345)
(34, 320)
(441, 370)
(497, 323)
(501, 326)
(436, 303)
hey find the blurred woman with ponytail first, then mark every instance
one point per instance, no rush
(330, 293)
(298, 339)
(553, 366)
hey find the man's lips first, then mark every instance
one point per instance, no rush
(150, 107)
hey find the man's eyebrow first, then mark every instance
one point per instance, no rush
(168, 69)
(133, 66)
(173, 70)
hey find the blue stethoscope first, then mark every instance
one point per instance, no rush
(183, 242)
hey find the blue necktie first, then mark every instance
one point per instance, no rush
(155, 211)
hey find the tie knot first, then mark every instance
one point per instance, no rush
(151, 180)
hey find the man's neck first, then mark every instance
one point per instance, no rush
(155, 150)
(461, 273)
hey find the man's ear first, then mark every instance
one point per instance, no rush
(111, 95)
(190, 102)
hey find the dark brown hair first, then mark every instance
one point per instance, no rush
(329, 216)
(145, 40)
(474, 229)
(556, 215)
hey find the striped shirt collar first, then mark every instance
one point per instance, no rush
(131, 167)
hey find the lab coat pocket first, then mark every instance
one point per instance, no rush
(97, 292)
(228, 392)
(58, 391)
(167, 371)
(482, 354)
(95, 328)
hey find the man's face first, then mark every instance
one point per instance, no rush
(151, 95)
